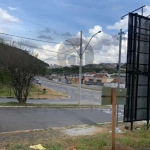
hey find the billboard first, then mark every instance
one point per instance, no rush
(137, 106)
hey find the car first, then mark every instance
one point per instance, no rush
(37, 81)
(68, 82)
(88, 83)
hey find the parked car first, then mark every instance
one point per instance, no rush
(68, 82)
(37, 81)
(88, 83)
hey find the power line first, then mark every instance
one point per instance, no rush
(59, 54)
(38, 47)
(107, 40)
(50, 42)
(47, 41)
(27, 38)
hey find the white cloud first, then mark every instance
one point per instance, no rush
(146, 10)
(123, 24)
(106, 46)
(48, 53)
(79, 35)
(95, 29)
(5, 17)
(12, 8)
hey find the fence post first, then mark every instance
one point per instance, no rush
(113, 101)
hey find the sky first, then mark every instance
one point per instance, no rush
(56, 21)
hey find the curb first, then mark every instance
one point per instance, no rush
(9, 97)
(42, 129)
(50, 106)
(23, 131)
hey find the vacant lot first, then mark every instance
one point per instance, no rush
(96, 137)
(36, 91)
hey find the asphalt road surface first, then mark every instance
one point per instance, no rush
(14, 119)
(87, 96)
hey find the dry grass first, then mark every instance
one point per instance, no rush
(55, 139)
(38, 92)
(35, 92)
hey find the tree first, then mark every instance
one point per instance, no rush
(21, 66)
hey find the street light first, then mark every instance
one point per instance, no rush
(80, 56)
(72, 45)
(80, 67)
(90, 40)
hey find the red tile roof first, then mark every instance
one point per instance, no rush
(116, 80)
(99, 75)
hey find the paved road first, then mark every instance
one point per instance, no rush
(13, 119)
(87, 97)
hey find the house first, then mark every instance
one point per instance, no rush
(114, 83)
(103, 71)
(99, 77)
(87, 76)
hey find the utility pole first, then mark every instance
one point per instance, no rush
(80, 65)
(119, 62)
(80, 68)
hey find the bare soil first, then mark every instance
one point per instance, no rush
(66, 136)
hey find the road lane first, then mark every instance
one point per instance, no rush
(13, 119)
(87, 96)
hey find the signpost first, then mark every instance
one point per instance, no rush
(113, 96)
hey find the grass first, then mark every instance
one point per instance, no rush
(54, 139)
(12, 104)
(36, 92)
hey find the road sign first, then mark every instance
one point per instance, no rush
(113, 96)
(120, 96)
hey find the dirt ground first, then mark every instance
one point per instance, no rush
(22, 140)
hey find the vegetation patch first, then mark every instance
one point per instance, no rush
(56, 139)
(36, 92)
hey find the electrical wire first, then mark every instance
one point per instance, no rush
(27, 38)
(106, 40)
(50, 42)
(30, 38)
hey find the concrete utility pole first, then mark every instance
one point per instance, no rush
(81, 57)
(80, 68)
(81, 52)
(119, 62)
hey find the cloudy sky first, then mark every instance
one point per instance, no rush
(55, 21)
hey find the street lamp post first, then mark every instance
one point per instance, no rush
(80, 56)
(80, 67)
(119, 63)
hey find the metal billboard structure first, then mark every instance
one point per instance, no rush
(137, 106)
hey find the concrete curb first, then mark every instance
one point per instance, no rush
(51, 107)
(22, 131)
(83, 125)
(42, 129)
(9, 97)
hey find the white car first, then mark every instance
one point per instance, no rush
(37, 81)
